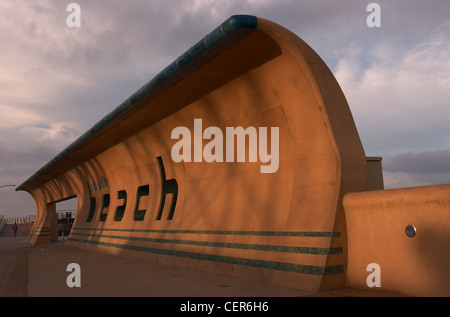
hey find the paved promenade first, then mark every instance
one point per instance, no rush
(41, 271)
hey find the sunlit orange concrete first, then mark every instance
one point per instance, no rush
(376, 223)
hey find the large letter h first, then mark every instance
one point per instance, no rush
(168, 186)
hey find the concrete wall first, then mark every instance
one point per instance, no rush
(376, 223)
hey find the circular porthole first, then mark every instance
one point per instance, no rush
(410, 231)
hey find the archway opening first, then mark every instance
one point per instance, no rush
(66, 211)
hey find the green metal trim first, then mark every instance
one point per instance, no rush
(230, 31)
(272, 265)
(244, 246)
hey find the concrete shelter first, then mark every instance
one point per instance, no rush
(312, 224)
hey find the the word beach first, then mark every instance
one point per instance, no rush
(235, 138)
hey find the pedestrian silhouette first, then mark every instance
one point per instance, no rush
(15, 228)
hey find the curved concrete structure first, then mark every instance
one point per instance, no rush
(283, 224)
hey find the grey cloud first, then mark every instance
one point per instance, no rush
(16, 166)
(424, 162)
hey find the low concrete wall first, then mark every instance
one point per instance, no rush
(376, 223)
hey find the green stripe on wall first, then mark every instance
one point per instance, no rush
(281, 266)
(40, 232)
(260, 247)
(320, 234)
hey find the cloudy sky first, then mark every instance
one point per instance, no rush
(56, 81)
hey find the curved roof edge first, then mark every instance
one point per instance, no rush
(232, 30)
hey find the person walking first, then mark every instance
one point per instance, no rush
(15, 229)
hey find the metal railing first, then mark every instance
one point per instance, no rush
(23, 219)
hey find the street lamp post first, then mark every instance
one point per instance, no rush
(6, 185)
